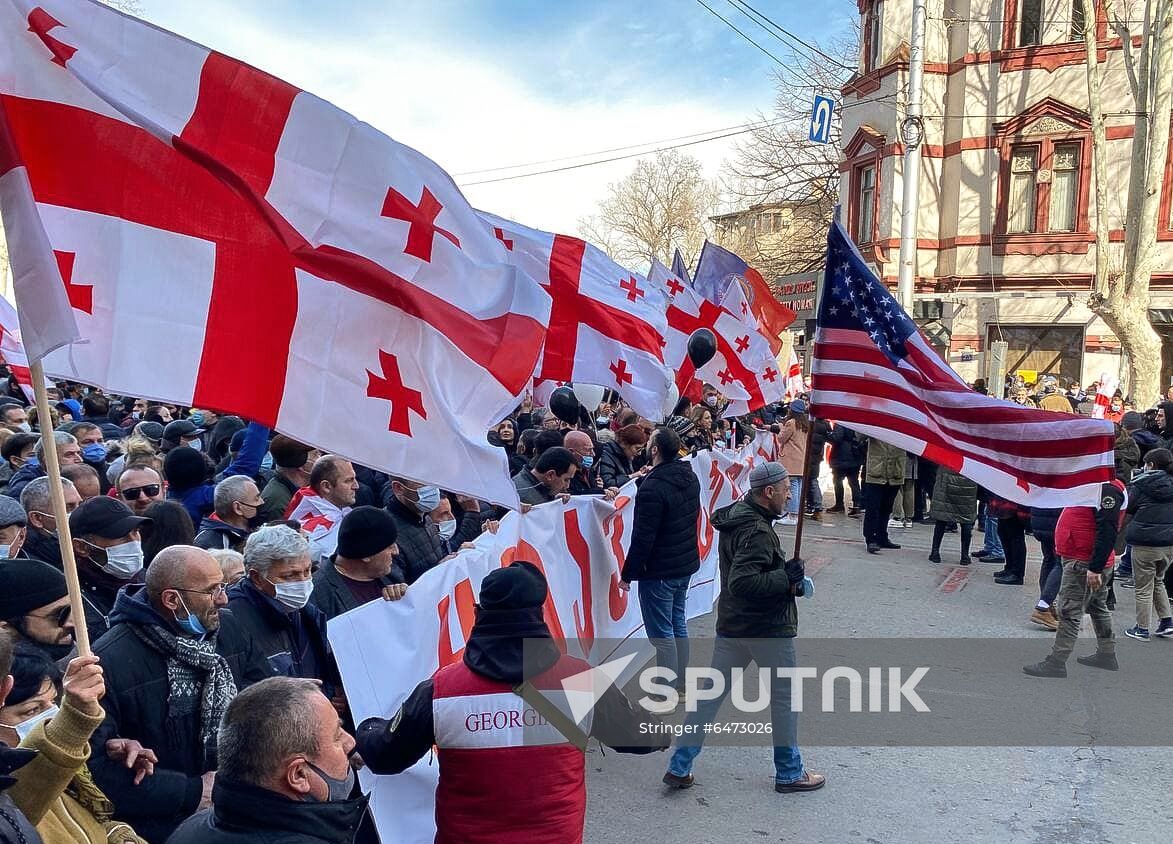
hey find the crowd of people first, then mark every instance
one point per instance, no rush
(211, 707)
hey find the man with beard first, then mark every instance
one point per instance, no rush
(34, 606)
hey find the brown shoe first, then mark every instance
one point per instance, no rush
(676, 781)
(816, 516)
(1044, 618)
(807, 782)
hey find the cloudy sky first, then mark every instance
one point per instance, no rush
(480, 84)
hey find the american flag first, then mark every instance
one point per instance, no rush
(874, 371)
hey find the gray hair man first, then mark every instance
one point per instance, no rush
(68, 453)
(40, 542)
(757, 620)
(285, 771)
(237, 505)
(271, 607)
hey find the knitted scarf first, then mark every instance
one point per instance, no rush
(198, 680)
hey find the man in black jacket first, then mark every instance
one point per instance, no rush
(420, 545)
(757, 620)
(270, 606)
(663, 555)
(40, 540)
(170, 673)
(363, 569)
(285, 775)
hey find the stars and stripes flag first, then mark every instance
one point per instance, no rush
(607, 323)
(216, 237)
(874, 371)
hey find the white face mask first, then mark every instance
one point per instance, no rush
(447, 528)
(25, 427)
(124, 561)
(196, 444)
(294, 595)
(4, 551)
(26, 727)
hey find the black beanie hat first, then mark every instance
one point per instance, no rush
(519, 586)
(26, 585)
(288, 453)
(185, 468)
(365, 532)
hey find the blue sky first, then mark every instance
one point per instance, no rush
(481, 83)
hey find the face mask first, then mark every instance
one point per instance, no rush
(136, 415)
(196, 419)
(711, 401)
(190, 624)
(429, 498)
(4, 551)
(196, 444)
(32, 461)
(447, 528)
(588, 461)
(337, 789)
(294, 595)
(26, 727)
(124, 561)
(25, 427)
(94, 453)
(603, 420)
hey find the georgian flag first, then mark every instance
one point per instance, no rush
(319, 518)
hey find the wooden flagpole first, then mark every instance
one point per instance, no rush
(57, 498)
(806, 485)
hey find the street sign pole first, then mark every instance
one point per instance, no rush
(912, 133)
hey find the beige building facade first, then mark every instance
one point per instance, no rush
(1005, 231)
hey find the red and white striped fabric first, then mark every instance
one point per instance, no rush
(319, 518)
(744, 369)
(12, 352)
(228, 241)
(1104, 394)
(606, 323)
(794, 384)
(875, 372)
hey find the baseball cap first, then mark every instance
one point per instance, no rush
(179, 428)
(103, 516)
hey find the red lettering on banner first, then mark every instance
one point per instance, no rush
(528, 553)
(704, 534)
(613, 528)
(733, 473)
(465, 612)
(583, 607)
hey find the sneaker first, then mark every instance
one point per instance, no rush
(934, 557)
(1046, 668)
(1098, 660)
(1125, 582)
(661, 707)
(1139, 633)
(1165, 628)
(982, 554)
(907, 523)
(788, 520)
(1043, 618)
(677, 781)
(895, 523)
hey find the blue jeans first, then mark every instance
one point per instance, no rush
(814, 500)
(795, 496)
(662, 604)
(993, 546)
(766, 653)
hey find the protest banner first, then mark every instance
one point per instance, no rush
(385, 649)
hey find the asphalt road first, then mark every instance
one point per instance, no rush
(1044, 795)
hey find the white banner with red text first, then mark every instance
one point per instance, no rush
(385, 649)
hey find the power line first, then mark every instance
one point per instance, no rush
(771, 23)
(724, 20)
(749, 126)
(609, 160)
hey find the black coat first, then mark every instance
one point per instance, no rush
(245, 814)
(294, 644)
(1043, 521)
(136, 707)
(664, 535)
(1150, 505)
(954, 498)
(820, 435)
(614, 467)
(331, 594)
(215, 534)
(420, 545)
(847, 451)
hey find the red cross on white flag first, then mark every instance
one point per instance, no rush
(739, 369)
(607, 324)
(220, 238)
(12, 352)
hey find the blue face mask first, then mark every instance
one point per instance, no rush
(429, 498)
(191, 624)
(196, 418)
(94, 453)
(588, 461)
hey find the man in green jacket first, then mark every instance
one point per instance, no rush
(882, 481)
(757, 620)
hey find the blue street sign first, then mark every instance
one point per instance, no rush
(821, 114)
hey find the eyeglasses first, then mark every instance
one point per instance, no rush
(215, 592)
(59, 616)
(150, 490)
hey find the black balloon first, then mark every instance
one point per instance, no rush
(702, 345)
(564, 403)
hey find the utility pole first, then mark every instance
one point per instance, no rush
(912, 134)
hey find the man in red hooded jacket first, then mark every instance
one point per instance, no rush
(1084, 539)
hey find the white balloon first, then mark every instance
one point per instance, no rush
(671, 400)
(589, 396)
(542, 392)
